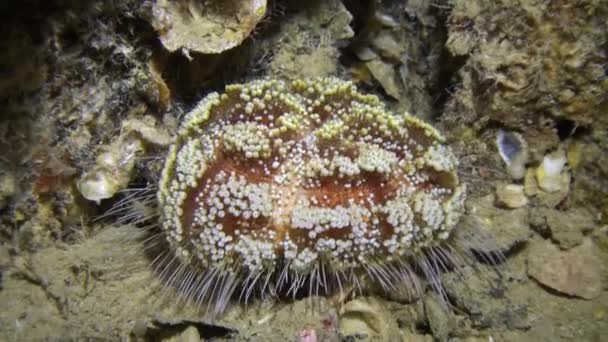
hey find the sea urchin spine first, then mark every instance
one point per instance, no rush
(273, 187)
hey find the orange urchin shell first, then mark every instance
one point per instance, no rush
(309, 181)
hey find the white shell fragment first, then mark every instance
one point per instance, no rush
(112, 171)
(551, 175)
(513, 150)
(209, 27)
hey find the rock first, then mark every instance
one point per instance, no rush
(600, 313)
(600, 236)
(336, 18)
(386, 45)
(365, 53)
(480, 293)
(579, 272)
(511, 196)
(411, 337)
(509, 227)
(407, 293)
(140, 327)
(8, 187)
(384, 73)
(190, 334)
(472, 339)
(5, 260)
(547, 199)
(208, 27)
(438, 317)
(367, 317)
(315, 37)
(146, 127)
(567, 227)
(5, 256)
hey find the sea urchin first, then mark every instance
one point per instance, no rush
(276, 187)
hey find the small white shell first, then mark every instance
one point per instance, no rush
(112, 172)
(513, 150)
(551, 174)
(97, 185)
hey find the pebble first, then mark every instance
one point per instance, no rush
(511, 196)
(190, 334)
(599, 313)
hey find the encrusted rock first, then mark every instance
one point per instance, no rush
(547, 199)
(209, 26)
(147, 128)
(368, 318)
(384, 73)
(365, 53)
(567, 227)
(580, 271)
(509, 227)
(388, 47)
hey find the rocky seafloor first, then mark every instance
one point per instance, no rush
(95, 91)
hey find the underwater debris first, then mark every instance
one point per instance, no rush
(208, 27)
(277, 187)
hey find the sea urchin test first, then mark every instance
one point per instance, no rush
(275, 187)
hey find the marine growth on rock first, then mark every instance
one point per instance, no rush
(276, 187)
